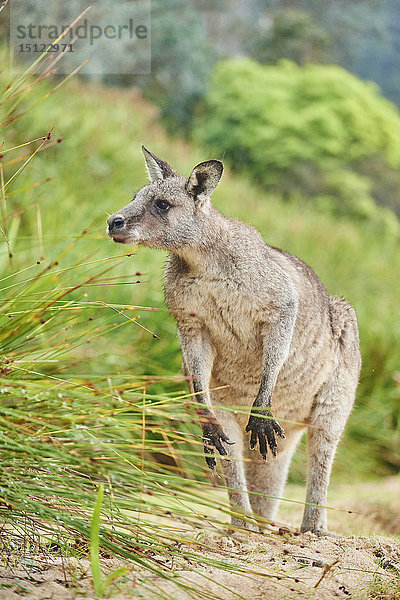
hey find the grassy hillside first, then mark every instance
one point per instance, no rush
(96, 168)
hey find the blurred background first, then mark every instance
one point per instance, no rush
(300, 99)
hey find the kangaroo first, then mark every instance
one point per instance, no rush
(257, 331)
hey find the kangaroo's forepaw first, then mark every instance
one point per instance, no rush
(264, 430)
(213, 436)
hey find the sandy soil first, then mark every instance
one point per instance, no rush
(278, 565)
(286, 566)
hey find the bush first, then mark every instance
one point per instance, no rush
(306, 131)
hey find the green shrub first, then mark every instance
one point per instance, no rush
(308, 131)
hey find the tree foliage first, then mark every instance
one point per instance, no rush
(333, 31)
(310, 131)
(182, 61)
(292, 34)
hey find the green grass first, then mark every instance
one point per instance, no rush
(100, 586)
(89, 396)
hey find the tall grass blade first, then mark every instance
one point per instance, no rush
(95, 543)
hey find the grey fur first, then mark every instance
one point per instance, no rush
(257, 323)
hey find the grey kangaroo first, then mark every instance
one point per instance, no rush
(258, 331)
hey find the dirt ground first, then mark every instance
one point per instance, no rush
(278, 565)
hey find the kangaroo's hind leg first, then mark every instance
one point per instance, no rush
(232, 464)
(234, 473)
(266, 481)
(330, 411)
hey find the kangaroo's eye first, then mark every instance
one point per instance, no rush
(163, 205)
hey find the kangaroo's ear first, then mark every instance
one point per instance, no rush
(204, 179)
(156, 168)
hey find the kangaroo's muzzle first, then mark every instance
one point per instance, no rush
(115, 228)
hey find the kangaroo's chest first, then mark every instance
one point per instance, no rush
(222, 309)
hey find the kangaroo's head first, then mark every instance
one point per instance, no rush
(169, 212)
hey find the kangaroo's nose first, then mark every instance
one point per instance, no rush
(115, 223)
